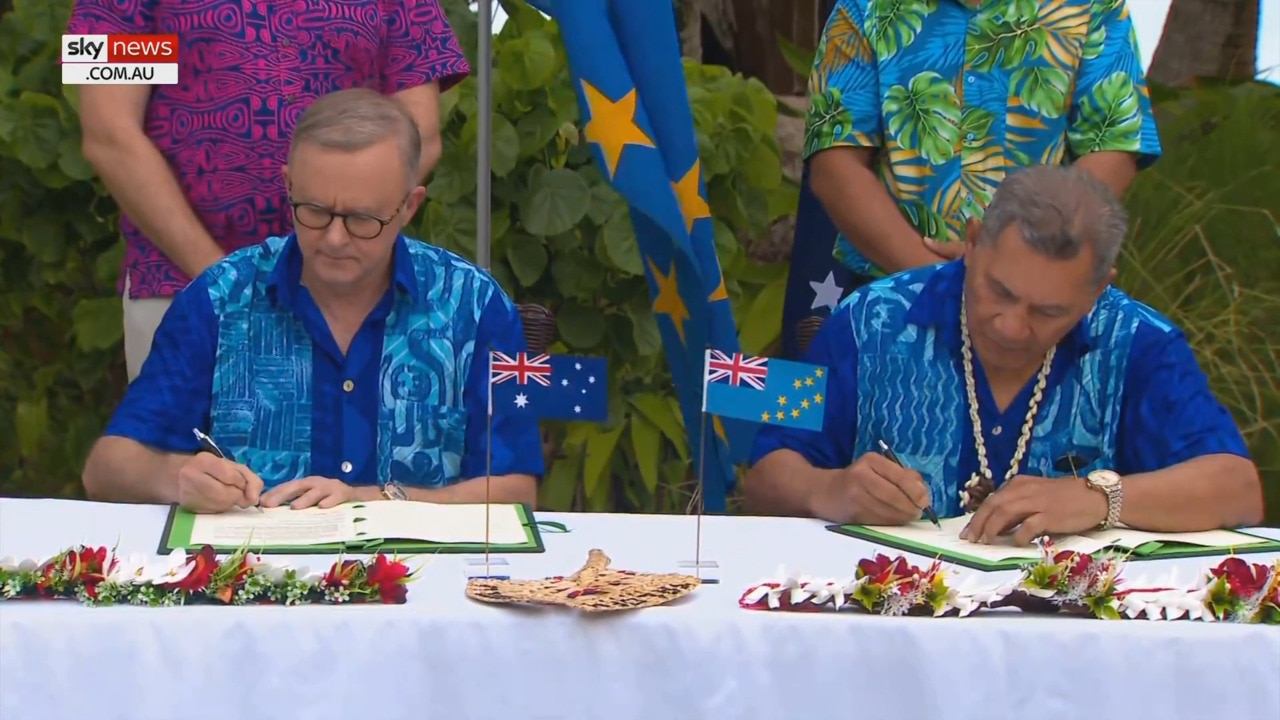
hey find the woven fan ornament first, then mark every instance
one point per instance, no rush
(594, 588)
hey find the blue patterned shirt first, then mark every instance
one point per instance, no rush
(174, 392)
(1167, 413)
(957, 94)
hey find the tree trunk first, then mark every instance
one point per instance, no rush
(756, 45)
(1207, 39)
(690, 14)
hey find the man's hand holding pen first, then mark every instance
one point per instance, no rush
(874, 490)
(210, 484)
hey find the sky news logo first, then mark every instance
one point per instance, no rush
(119, 59)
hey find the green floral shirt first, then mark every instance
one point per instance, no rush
(958, 93)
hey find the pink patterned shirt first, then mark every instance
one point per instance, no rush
(248, 68)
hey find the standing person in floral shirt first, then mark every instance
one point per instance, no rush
(196, 167)
(920, 108)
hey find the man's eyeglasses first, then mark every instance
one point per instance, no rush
(359, 225)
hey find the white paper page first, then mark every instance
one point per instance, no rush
(948, 538)
(279, 526)
(438, 522)
(1210, 538)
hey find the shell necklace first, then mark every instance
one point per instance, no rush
(981, 484)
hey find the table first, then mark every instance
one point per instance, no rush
(441, 655)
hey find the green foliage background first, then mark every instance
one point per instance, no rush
(1205, 250)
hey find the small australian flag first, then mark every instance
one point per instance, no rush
(554, 387)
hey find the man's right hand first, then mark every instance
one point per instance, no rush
(874, 491)
(210, 484)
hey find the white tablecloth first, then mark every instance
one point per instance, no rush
(443, 656)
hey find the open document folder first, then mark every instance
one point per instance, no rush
(375, 526)
(944, 543)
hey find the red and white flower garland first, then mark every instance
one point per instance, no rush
(1061, 582)
(98, 576)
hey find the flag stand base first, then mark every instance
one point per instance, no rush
(491, 568)
(708, 571)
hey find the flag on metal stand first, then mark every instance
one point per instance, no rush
(770, 391)
(624, 59)
(553, 387)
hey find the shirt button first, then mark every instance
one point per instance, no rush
(346, 466)
(348, 386)
(285, 43)
(971, 80)
(997, 430)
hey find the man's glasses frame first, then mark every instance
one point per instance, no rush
(348, 219)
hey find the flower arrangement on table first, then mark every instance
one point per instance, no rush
(98, 576)
(1061, 582)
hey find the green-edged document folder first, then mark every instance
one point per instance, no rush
(922, 538)
(389, 526)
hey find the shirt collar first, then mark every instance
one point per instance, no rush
(938, 306)
(286, 275)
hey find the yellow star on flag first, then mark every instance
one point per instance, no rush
(612, 125)
(721, 292)
(692, 206)
(668, 302)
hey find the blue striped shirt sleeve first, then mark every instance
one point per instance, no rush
(172, 393)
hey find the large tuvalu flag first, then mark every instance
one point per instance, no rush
(624, 59)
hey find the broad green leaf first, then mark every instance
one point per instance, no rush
(620, 243)
(561, 482)
(605, 201)
(535, 129)
(646, 442)
(506, 146)
(575, 274)
(528, 258)
(453, 178)
(31, 418)
(764, 319)
(657, 410)
(97, 323)
(762, 166)
(452, 227)
(37, 129)
(644, 326)
(44, 236)
(527, 62)
(556, 201)
(800, 61)
(599, 454)
(71, 160)
(581, 326)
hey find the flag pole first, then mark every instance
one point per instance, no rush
(484, 174)
(484, 134)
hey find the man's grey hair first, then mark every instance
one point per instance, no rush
(356, 119)
(1059, 210)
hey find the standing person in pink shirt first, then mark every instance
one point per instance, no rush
(196, 167)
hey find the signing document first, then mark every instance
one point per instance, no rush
(362, 521)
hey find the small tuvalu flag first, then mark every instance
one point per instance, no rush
(765, 390)
(559, 387)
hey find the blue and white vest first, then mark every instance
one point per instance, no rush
(262, 384)
(911, 389)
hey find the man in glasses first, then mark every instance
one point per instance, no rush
(341, 362)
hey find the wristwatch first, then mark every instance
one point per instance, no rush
(391, 490)
(1108, 483)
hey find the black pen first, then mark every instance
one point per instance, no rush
(208, 445)
(928, 509)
